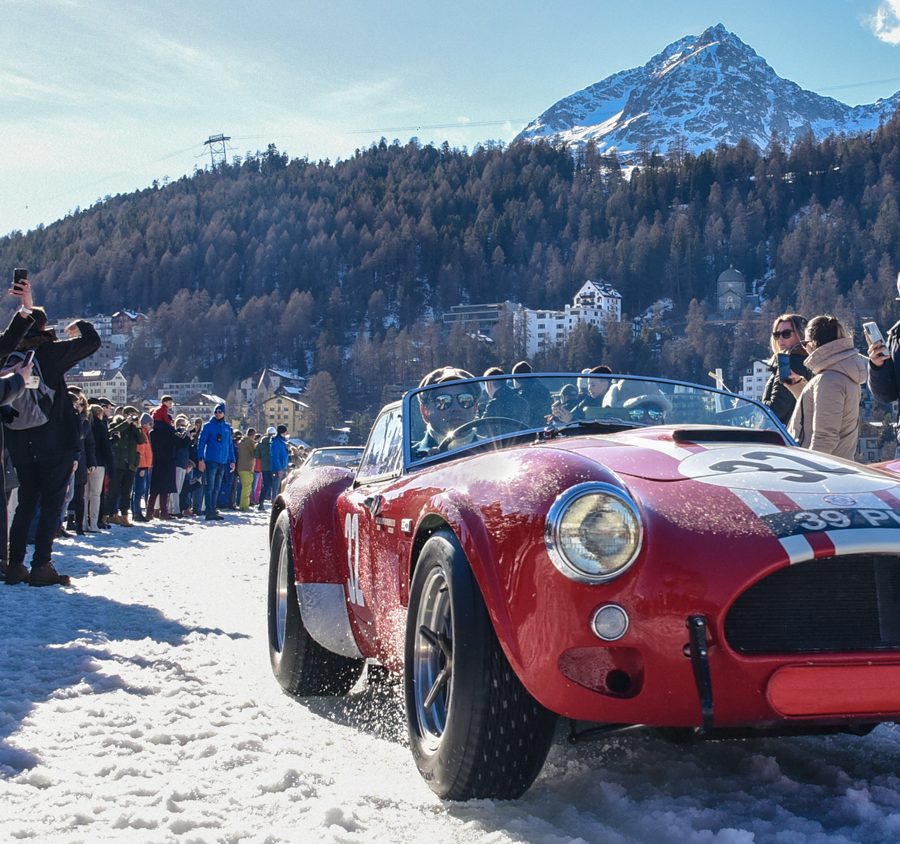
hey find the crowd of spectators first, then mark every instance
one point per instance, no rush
(78, 464)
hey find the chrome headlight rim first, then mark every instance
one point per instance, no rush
(554, 520)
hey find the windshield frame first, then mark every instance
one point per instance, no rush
(411, 411)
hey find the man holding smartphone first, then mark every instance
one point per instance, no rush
(45, 453)
(884, 363)
(21, 321)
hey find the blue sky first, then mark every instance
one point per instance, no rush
(99, 97)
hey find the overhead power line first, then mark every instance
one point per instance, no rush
(861, 84)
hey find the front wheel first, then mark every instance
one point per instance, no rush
(474, 730)
(301, 665)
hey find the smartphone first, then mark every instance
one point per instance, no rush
(784, 368)
(32, 382)
(872, 332)
(19, 274)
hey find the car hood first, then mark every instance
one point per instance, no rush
(745, 461)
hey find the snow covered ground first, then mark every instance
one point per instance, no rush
(138, 705)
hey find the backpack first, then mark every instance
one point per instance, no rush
(32, 408)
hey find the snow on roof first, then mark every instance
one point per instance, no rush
(286, 398)
(284, 373)
(203, 399)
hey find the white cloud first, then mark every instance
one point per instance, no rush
(885, 23)
(362, 93)
(16, 86)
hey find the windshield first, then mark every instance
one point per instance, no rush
(347, 457)
(459, 414)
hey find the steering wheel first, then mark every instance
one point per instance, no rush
(499, 424)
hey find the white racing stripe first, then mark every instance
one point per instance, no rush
(798, 549)
(866, 541)
(756, 501)
(846, 542)
(820, 501)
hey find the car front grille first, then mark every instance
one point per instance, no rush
(849, 603)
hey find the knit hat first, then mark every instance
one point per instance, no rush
(146, 419)
(282, 429)
(219, 407)
(271, 430)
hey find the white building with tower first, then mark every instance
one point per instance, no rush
(596, 303)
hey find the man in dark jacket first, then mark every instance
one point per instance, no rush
(105, 461)
(44, 455)
(534, 392)
(12, 385)
(884, 364)
(264, 453)
(504, 400)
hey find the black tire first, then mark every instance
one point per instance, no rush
(482, 735)
(301, 665)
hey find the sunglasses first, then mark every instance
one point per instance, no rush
(783, 334)
(444, 401)
(642, 414)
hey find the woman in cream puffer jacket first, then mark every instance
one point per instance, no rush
(826, 417)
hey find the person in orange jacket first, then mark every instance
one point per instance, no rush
(142, 475)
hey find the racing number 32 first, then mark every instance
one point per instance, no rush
(351, 534)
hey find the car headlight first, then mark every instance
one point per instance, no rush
(593, 532)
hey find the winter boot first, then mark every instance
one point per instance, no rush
(16, 573)
(46, 575)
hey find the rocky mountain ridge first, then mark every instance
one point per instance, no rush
(700, 91)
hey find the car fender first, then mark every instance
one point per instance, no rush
(500, 529)
(311, 503)
(464, 519)
(318, 563)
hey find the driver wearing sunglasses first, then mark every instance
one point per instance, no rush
(445, 407)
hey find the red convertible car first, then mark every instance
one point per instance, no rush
(654, 553)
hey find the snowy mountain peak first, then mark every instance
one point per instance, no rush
(700, 91)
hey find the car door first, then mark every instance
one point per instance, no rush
(370, 534)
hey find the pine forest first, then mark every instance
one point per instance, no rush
(343, 270)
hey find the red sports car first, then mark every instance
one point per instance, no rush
(653, 553)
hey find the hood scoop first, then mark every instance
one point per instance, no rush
(727, 435)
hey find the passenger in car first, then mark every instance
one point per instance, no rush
(503, 400)
(534, 392)
(565, 402)
(589, 406)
